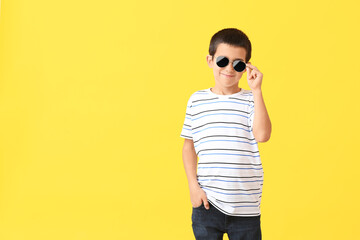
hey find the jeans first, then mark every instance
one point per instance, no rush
(212, 224)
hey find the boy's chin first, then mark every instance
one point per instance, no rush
(228, 82)
(228, 79)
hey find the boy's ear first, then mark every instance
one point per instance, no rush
(209, 60)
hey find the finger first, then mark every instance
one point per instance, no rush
(251, 66)
(249, 70)
(252, 75)
(206, 204)
(249, 75)
(255, 71)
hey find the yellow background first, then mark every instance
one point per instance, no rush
(93, 97)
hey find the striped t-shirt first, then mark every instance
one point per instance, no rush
(229, 168)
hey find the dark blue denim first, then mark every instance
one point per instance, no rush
(212, 224)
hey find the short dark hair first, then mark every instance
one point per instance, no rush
(231, 36)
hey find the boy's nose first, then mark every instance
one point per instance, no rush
(230, 68)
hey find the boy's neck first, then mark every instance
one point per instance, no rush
(225, 91)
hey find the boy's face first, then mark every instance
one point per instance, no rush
(227, 76)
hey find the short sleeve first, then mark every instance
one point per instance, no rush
(251, 112)
(186, 131)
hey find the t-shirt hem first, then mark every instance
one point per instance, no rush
(229, 214)
(186, 137)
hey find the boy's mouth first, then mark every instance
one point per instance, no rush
(227, 75)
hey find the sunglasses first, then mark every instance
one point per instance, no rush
(238, 65)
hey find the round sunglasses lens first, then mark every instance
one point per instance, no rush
(222, 61)
(239, 66)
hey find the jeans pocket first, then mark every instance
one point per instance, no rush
(202, 204)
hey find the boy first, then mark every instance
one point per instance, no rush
(222, 127)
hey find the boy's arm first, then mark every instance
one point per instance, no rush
(190, 163)
(262, 125)
(197, 194)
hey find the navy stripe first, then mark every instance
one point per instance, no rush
(218, 200)
(221, 180)
(204, 99)
(222, 109)
(220, 122)
(259, 164)
(224, 141)
(221, 114)
(228, 149)
(186, 136)
(256, 189)
(222, 127)
(230, 193)
(232, 168)
(221, 102)
(227, 136)
(247, 206)
(229, 154)
(228, 176)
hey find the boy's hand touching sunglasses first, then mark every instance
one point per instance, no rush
(254, 77)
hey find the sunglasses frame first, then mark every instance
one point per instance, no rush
(234, 63)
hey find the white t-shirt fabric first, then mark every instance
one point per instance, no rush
(229, 167)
